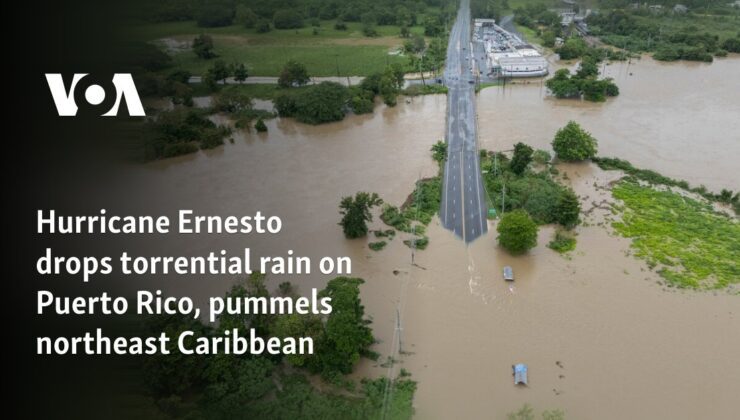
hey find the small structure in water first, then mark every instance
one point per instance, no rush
(520, 374)
(508, 274)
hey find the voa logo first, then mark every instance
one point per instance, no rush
(90, 96)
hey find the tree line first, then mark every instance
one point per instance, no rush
(227, 386)
(288, 14)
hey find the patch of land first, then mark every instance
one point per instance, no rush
(691, 244)
(323, 49)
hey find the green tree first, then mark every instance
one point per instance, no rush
(297, 325)
(215, 13)
(362, 103)
(588, 68)
(563, 86)
(415, 45)
(293, 74)
(405, 33)
(517, 232)
(572, 143)
(548, 39)
(567, 209)
(390, 84)
(355, 213)
(432, 26)
(240, 72)
(321, 103)
(262, 27)
(347, 335)
(287, 19)
(260, 126)
(219, 71)
(245, 16)
(203, 46)
(174, 373)
(439, 151)
(732, 45)
(572, 48)
(232, 101)
(522, 158)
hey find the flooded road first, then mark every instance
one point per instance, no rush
(602, 338)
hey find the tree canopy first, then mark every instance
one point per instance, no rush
(356, 213)
(517, 232)
(293, 74)
(522, 158)
(203, 46)
(573, 143)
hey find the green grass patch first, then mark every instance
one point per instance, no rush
(377, 246)
(388, 233)
(563, 242)
(725, 196)
(265, 54)
(692, 245)
(430, 88)
(529, 34)
(417, 243)
(480, 86)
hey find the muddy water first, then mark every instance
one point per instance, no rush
(297, 172)
(680, 119)
(628, 346)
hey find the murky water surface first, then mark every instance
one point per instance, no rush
(603, 340)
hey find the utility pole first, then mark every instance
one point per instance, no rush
(503, 198)
(398, 327)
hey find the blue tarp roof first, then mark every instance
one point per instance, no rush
(520, 374)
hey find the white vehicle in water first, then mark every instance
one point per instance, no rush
(508, 273)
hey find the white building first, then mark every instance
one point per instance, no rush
(509, 56)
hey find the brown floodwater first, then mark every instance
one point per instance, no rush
(680, 119)
(602, 337)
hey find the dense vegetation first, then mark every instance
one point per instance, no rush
(573, 143)
(329, 101)
(707, 29)
(585, 83)
(356, 213)
(691, 244)
(242, 387)
(544, 23)
(563, 242)
(316, 104)
(517, 232)
(725, 196)
(181, 131)
(536, 192)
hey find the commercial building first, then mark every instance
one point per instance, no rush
(507, 55)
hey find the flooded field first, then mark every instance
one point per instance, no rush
(602, 338)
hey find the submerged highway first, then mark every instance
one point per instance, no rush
(463, 206)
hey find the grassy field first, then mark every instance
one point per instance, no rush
(265, 54)
(690, 244)
(530, 35)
